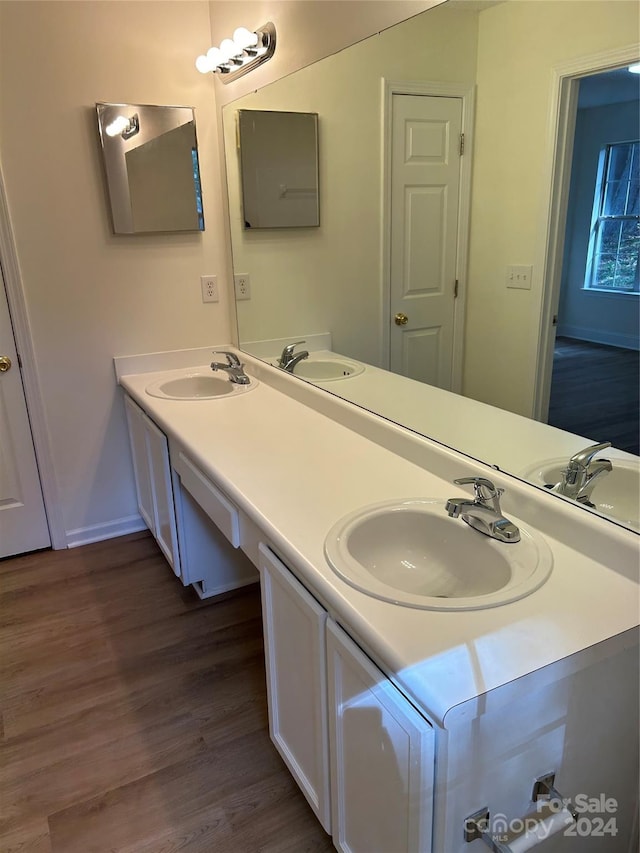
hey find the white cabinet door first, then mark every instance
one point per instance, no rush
(162, 493)
(150, 451)
(140, 462)
(382, 757)
(294, 634)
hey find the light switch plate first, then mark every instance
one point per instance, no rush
(519, 277)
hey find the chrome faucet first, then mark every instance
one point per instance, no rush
(288, 360)
(483, 513)
(581, 474)
(233, 368)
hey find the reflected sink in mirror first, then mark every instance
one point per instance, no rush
(413, 554)
(616, 495)
(326, 369)
(196, 385)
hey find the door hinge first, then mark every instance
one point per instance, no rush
(461, 144)
(554, 322)
(455, 290)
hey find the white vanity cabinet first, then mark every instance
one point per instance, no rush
(294, 639)
(362, 755)
(198, 529)
(382, 757)
(150, 452)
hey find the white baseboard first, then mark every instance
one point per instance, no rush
(106, 530)
(599, 336)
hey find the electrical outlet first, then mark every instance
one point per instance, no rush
(242, 286)
(209, 285)
(519, 277)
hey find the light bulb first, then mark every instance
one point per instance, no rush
(635, 69)
(243, 38)
(203, 65)
(215, 57)
(228, 49)
(116, 127)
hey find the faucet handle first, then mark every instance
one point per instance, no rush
(232, 358)
(288, 350)
(583, 457)
(483, 489)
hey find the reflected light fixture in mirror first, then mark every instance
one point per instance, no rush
(237, 56)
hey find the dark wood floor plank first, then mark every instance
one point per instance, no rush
(134, 715)
(30, 837)
(595, 392)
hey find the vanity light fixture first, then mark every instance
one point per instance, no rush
(241, 54)
(123, 126)
(634, 69)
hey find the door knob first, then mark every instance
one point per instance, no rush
(401, 319)
(5, 363)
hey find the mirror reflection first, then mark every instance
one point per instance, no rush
(279, 167)
(150, 157)
(427, 266)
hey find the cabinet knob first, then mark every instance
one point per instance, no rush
(401, 319)
(5, 363)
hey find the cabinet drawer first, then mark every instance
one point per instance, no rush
(216, 505)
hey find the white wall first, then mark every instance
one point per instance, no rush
(92, 295)
(530, 37)
(607, 318)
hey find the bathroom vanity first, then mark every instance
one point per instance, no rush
(408, 728)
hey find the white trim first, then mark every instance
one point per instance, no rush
(466, 92)
(30, 381)
(555, 177)
(105, 530)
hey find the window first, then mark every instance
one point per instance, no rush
(612, 264)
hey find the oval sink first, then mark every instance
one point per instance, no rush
(197, 385)
(326, 369)
(615, 494)
(411, 553)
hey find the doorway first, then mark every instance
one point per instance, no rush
(594, 380)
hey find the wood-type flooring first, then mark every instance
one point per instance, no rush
(595, 392)
(133, 716)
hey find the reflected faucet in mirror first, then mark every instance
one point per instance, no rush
(581, 474)
(288, 359)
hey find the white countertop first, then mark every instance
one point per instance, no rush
(295, 472)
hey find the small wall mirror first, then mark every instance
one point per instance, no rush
(279, 168)
(151, 164)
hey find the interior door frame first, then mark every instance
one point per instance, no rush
(556, 178)
(30, 382)
(466, 92)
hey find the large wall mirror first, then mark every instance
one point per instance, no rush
(151, 165)
(392, 110)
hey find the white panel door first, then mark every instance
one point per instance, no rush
(23, 522)
(382, 757)
(294, 625)
(425, 185)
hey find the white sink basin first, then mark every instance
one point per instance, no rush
(326, 369)
(197, 384)
(616, 494)
(411, 553)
